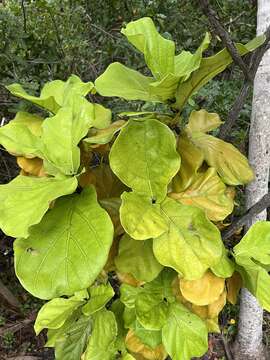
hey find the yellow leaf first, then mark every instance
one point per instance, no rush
(231, 165)
(212, 325)
(234, 285)
(135, 346)
(216, 307)
(191, 161)
(177, 292)
(32, 166)
(106, 183)
(201, 311)
(208, 193)
(203, 121)
(203, 291)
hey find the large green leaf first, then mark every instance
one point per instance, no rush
(158, 51)
(99, 296)
(21, 135)
(67, 250)
(152, 302)
(25, 200)
(184, 335)
(137, 258)
(231, 165)
(101, 344)
(186, 62)
(144, 157)
(192, 243)
(252, 256)
(71, 339)
(118, 80)
(59, 145)
(54, 313)
(209, 68)
(140, 218)
(208, 193)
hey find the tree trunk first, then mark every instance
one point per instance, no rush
(249, 340)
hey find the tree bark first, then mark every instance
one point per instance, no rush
(249, 344)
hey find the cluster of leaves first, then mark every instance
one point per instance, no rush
(134, 204)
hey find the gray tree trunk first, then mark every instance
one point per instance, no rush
(249, 340)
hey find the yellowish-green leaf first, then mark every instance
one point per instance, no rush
(141, 218)
(54, 313)
(99, 296)
(252, 255)
(158, 51)
(186, 62)
(208, 193)
(143, 163)
(103, 136)
(185, 335)
(102, 339)
(192, 243)
(191, 161)
(225, 267)
(21, 135)
(209, 68)
(25, 200)
(118, 80)
(152, 302)
(203, 121)
(231, 165)
(137, 258)
(67, 250)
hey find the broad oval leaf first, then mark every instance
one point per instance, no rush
(185, 335)
(151, 338)
(192, 243)
(231, 165)
(25, 200)
(101, 343)
(203, 291)
(226, 266)
(67, 250)
(144, 157)
(137, 258)
(208, 193)
(141, 218)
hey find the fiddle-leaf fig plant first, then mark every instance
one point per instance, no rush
(117, 219)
